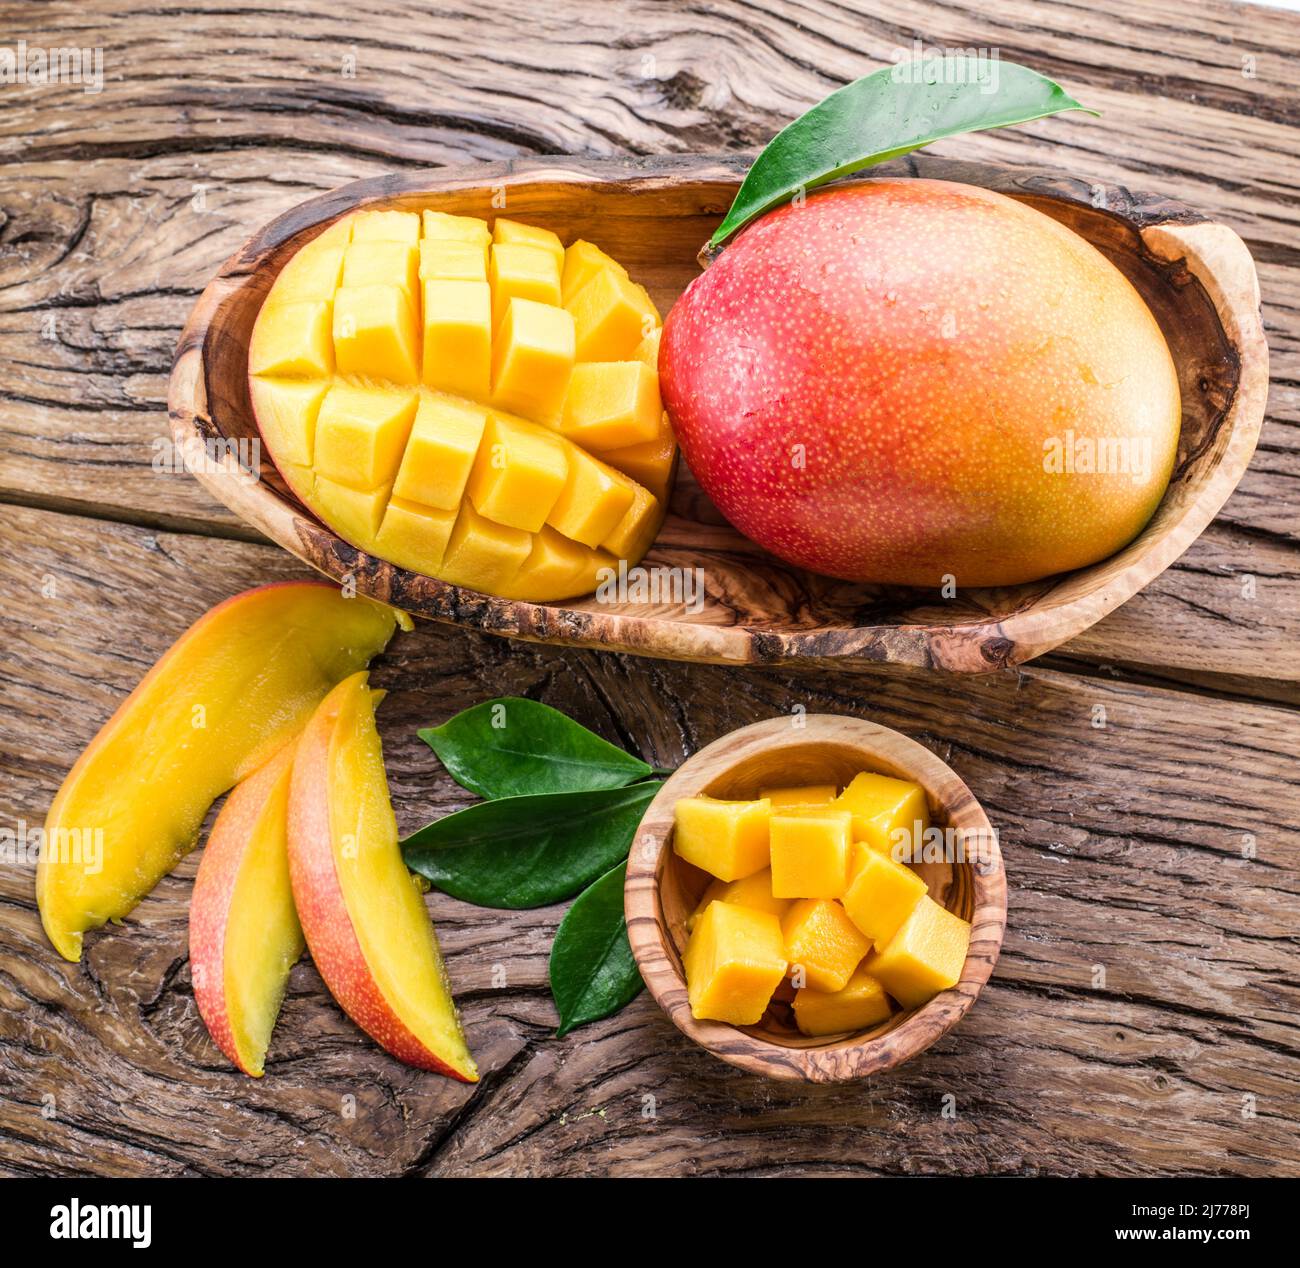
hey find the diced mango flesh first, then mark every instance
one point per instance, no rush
(810, 851)
(888, 814)
(822, 944)
(858, 1005)
(727, 839)
(734, 960)
(789, 855)
(924, 957)
(881, 894)
(398, 350)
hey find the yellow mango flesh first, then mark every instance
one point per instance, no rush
(753, 891)
(734, 960)
(881, 894)
(804, 795)
(888, 814)
(858, 1005)
(727, 839)
(409, 366)
(810, 851)
(822, 944)
(924, 957)
(230, 692)
(263, 936)
(387, 913)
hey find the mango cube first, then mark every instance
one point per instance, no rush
(386, 226)
(888, 814)
(924, 957)
(453, 261)
(734, 961)
(594, 500)
(360, 434)
(611, 316)
(753, 891)
(553, 569)
(292, 340)
(441, 226)
(633, 534)
(314, 272)
(357, 512)
(532, 359)
(287, 410)
(458, 336)
(524, 272)
(582, 261)
(727, 839)
(860, 1004)
(513, 233)
(481, 553)
(822, 944)
(375, 334)
(647, 351)
(801, 795)
(649, 463)
(611, 404)
(519, 473)
(440, 453)
(371, 263)
(810, 852)
(414, 535)
(881, 894)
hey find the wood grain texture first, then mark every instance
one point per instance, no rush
(119, 206)
(1196, 277)
(663, 890)
(1141, 1019)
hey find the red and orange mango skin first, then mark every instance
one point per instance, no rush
(244, 931)
(869, 386)
(225, 697)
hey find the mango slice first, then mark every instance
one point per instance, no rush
(365, 921)
(234, 689)
(244, 930)
(734, 960)
(924, 957)
(410, 367)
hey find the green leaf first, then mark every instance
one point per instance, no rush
(513, 747)
(593, 972)
(882, 116)
(529, 851)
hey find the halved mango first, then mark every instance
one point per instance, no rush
(234, 689)
(365, 922)
(391, 329)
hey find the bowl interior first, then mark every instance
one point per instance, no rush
(682, 885)
(655, 223)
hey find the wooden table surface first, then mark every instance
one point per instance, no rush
(1143, 1016)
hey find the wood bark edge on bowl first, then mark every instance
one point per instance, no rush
(652, 214)
(792, 751)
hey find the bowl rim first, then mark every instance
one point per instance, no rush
(1172, 235)
(844, 1058)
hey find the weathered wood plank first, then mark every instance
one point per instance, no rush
(1124, 854)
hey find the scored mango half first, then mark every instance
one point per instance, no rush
(479, 405)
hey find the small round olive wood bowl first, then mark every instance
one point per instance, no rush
(653, 215)
(662, 891)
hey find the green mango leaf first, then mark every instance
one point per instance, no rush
(885, 115)
(513, 747)
(593, 972)
(532, 850)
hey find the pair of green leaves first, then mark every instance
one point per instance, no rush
(561, 808)
(888, 114)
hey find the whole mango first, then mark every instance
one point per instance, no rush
(905, 381)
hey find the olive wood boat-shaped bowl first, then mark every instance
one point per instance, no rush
(653, 215)
(662, 890)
